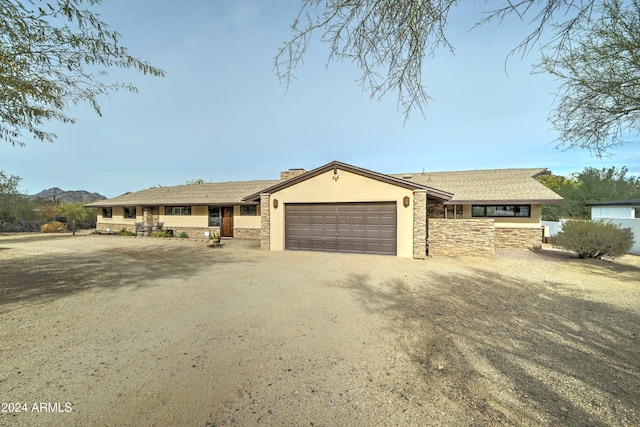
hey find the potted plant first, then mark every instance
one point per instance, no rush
(213, 238)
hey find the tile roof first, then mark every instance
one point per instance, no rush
(477, 186)
(218, 193)
(486, 186)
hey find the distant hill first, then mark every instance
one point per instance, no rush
(76, 196)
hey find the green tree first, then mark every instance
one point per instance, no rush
(389, 39)
(590, 185)
(77, 214)
(14, 206)
(606, 184)
(599, 93)
(565, 187)
(54, 54)
(596, 60)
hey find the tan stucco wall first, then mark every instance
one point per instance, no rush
(246, 221)
(348, 188)
(117, 218)
(199, 218)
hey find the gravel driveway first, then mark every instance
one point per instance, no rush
(115, 331)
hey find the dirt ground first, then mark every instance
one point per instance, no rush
(116, 331)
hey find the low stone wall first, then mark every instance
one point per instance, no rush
(115, 227)
(518, 238)
(247, 233)
(461, 237)
(192, 232)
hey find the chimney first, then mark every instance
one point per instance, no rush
(291, 173)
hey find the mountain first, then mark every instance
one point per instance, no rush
(76, 196)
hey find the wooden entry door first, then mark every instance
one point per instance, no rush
(226, 226)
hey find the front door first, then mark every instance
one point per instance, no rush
(226, 228)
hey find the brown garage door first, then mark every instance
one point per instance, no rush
(341, 227)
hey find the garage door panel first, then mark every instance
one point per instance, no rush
(342, 227)
(388, 235)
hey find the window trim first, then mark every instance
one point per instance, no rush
(495, 206)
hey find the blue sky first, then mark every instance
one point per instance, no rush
(222, 115)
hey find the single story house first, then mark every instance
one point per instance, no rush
(343, 208)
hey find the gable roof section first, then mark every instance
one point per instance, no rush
(389, 179)
(220, 193)
(489, 186)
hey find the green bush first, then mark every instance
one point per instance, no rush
(594, 239)
(125, 232)
(160, 233)
(183, 235)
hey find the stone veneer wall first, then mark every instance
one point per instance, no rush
(114, 227)
(192, 232)
(420, 224)
(459, 237)
(247, 233)
(265, 221)
(518, 238)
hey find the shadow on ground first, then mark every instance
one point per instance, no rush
(515, 352)
(45, 278)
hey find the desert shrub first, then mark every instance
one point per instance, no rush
(594, 239)
(183, 235)
(160, 233)
(125, 232)
(53, 227)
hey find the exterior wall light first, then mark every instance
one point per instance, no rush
(405, 201)
(335, 174)
(275, 203)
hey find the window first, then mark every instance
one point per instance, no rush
(501, 211)
(214, 216)
(248, 210)
(177, 210)
(107, 212)
(129, 213)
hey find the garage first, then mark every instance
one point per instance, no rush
(369, 228)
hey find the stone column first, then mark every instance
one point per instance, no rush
(265, 222)
(420, 224)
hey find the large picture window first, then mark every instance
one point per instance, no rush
(107, 212)
(501, 211)
(129, 213)
(177, 210)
